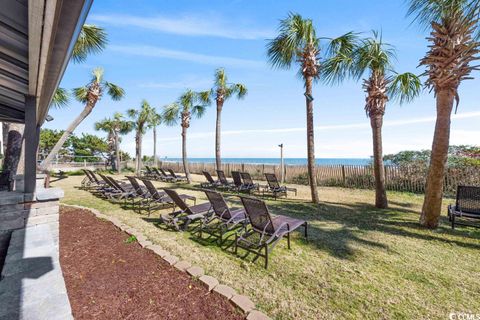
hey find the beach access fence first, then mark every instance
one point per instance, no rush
(397, 178)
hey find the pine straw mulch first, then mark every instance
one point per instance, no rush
(109, 278)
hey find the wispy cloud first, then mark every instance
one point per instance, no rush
(159, 52)
(363, 125)
(189, 25)
(187, 82)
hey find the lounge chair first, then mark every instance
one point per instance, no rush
(275, 188)
(224, 181)
(118, 190)
(238, 183)
(186, 214)
(248, 182)
(177, 176)
(467, 206)
(160, 199)
(210, 182)
(224, 218)
(265, 231)
(165, 175)
(141, 193)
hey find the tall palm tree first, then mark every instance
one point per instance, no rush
(115, 127)
(221, 92)
(92, 39)
(89, 95)
(374, 58)
(297, 42)
(154, 121)
(453, 47)
(189, 104)
(141, 118)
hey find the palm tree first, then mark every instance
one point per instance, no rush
(453, 47)
(92, 39)
(141, 118)
(89, 95)
(374, 57)
(115, 127)
(222, 91)
(153, 123)
(189, 104)
(297, 42)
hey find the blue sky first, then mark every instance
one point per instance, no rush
(158, 48)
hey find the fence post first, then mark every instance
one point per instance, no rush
(344, 177)
(243, 167)
(84, 163)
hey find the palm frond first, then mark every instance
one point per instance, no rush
(205, 97)
(171, 114)
(61, 98)
(374, 54)
(340, 59)
(132, 113)
(427, 11)
(404, 87)
(92, 39)
(294, 34)
(81, 94)
(97, 75)
(220, 78)
(237, 89)
(115, 92)
(198, 111)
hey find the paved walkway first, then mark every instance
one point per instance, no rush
(32, 285)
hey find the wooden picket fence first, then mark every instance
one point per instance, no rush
(398, 178)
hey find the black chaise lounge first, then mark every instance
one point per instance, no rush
(265, 230)
(275, 188)
(160, 199)
(222, 178)
(176, 176)
(211, 183)
(467, 206)
(224, 219)
(186, 214)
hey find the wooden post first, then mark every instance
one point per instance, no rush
(344, 176)
(31, 137)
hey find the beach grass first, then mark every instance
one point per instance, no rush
(358, 263)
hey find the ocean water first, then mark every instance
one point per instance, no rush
(288, 161)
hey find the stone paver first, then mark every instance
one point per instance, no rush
(209, 281)
(182, 265)
(144, 243)
(195, 271)
(225, 291)
(243, 302)
(171, 259)
(257, 315)
(158, 250)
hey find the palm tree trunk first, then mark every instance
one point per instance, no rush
(184, 154)
(155, 146)
(218, 135)
(376, 122)
(117, 153)
(138, 152)
(86, 111)
(312, 174)
(432, 204)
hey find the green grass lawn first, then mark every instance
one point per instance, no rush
(360, 262)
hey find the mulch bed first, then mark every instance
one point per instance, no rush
(108, 278)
